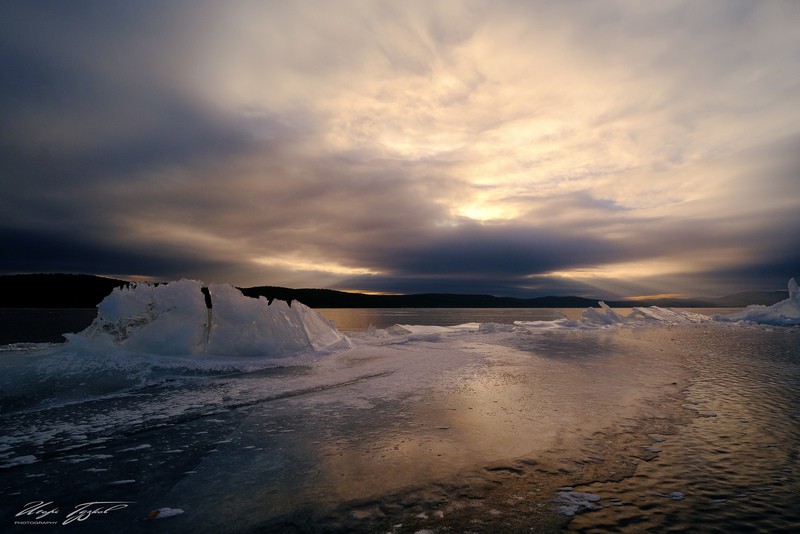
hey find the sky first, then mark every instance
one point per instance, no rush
(609, 148)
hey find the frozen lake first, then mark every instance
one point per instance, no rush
(666, 422)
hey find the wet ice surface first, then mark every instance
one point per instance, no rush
(735, 465)
(402, 428)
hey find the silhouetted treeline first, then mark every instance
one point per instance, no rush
(328, 298)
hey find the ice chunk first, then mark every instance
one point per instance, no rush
(784, 313)
(174, 318)
(244, 326)
(666, 315)
(163, 513)
(162, 319)
(490, 328)
(604, 316)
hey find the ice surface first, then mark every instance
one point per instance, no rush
(147, 335)
(19, 460)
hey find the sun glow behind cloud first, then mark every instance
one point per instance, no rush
(301, 264)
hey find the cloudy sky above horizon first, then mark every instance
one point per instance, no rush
(525, 148)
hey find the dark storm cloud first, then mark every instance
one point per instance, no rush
(29, 251)
(473, 249)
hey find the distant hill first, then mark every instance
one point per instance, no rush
(86, 291)
(328, 298)
(765, 298)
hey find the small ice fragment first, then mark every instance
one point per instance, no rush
(675, 495)
(119, 482)
(573, 502)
